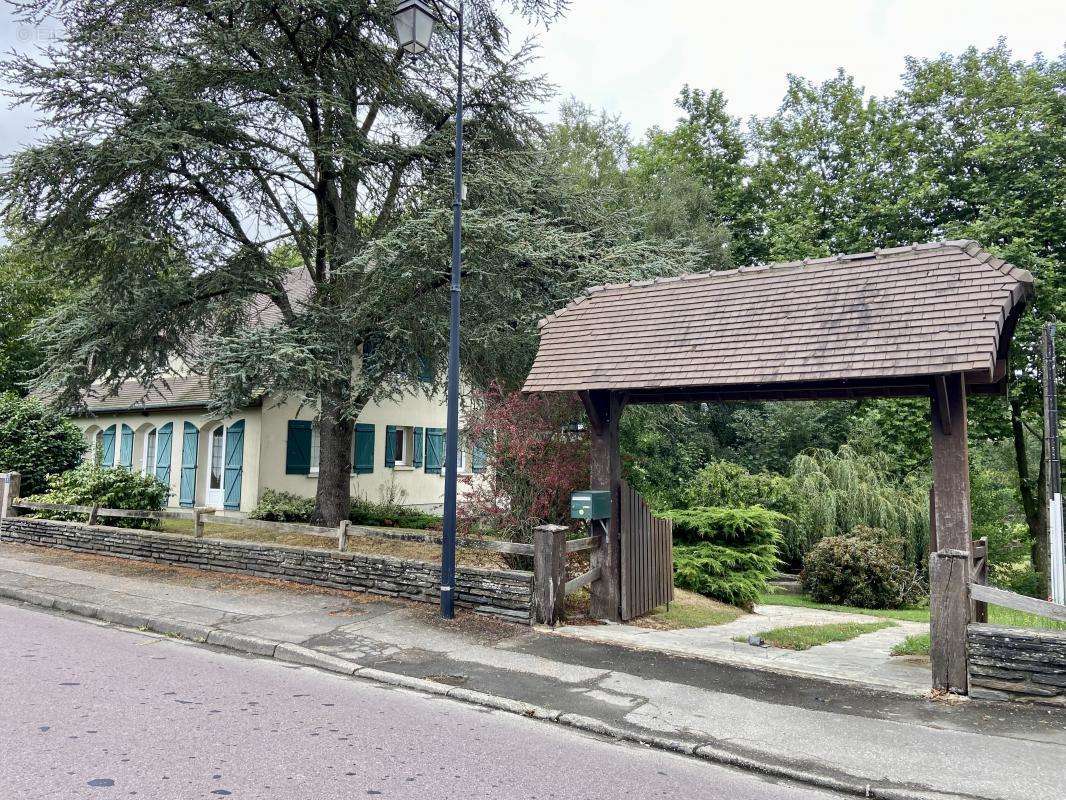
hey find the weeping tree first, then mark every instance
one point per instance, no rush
(207, 163)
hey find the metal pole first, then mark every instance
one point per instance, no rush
(447, 560)
(1056, 554)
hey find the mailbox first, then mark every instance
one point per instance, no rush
(590, 504)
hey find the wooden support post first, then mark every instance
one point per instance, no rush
(198, 515)
(949, 573)
(342, 535)
(604, 409)
(93, 512)
(549, 573)
(979, 575)
(10, 486)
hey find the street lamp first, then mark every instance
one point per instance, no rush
(414, 21)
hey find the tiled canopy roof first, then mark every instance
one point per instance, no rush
(906, 312)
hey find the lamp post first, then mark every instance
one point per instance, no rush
(414, 21)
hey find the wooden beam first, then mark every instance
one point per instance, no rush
(949, 573)
(1018, 602)
(605, 472)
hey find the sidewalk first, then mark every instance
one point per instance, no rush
(830, 734)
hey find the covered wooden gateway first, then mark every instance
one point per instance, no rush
(930, 320)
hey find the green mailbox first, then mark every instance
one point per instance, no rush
(590, 504)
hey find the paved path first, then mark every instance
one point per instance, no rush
(866, 659)
(92, 711)
(1000, 751)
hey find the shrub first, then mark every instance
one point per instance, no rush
(726, 553)
(864, 568)
(36, 442)
(1018, 577)
(108, 487)
(283, 507)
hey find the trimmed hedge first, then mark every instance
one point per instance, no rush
(726, 553)
(36, 442)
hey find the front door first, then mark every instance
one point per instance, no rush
(216, 455)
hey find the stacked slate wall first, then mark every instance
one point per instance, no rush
(500, 593)
(1017, 664)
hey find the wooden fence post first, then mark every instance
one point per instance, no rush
(549, 573)
(92, 520)
(979, 575)
(342, 535)
(198, 515)
(10, 483)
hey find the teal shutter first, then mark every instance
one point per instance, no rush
(107, 454)
(190, 441)
(234, 471)
(390, 445)
(298, 447)
(418, 448)
(163, 438)
(477, 461)
(434, 450)
(364, 449)
(125, 450)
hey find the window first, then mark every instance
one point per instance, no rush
(460, 461)
(148, 466)
(400, 448)
(316, 449)
(217, 444)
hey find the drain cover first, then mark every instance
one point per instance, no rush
(449, 680)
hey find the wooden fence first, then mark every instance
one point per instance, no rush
(550, 586)
(647, 557)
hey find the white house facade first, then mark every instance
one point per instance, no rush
(227, 463)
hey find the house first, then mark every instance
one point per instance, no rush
(227, 463)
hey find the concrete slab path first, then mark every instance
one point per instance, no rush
(836, 734)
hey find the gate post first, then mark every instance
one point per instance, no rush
(10, 486)
(949, 564)
(549, 573)
(604, 409)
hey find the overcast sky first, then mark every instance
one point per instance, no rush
(631, 56)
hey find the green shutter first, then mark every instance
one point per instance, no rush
(190, 441)
(298, 447)
(434, 450)
(477, 462)
(418, 448)
(364, 449)
(233, 473)
(125, 450)
(163, 438)
(107, 449)
(390, 445)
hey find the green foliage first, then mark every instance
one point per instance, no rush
(725, 553)
(390, 515)
(835, 492)
(36, 442)
(916, 645)
(278, 506)
(804, 637)
(1018, 577)
(89, 484)
(27, 294)
(864, 569)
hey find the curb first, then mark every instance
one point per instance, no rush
(705, 750)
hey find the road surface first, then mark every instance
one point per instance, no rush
(98, 712)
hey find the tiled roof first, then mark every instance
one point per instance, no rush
(912, 311)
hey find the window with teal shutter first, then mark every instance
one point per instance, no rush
(190, 441)
(107, 447)
(163, 453)
(125, 449)
(390, 445)
(419, 436)
(234, 472)
(434, 450)
(477, 462)
(298, 447)
(363, 460)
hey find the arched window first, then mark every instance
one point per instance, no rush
(150, 445)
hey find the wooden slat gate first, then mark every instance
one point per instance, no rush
(647, 556)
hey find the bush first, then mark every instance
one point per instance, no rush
(283, 507)
(1018, 577)
(36, 442)
(108, 487)
(864, 568)
(726, 553)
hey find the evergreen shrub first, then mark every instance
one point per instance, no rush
(726, 553)
(278, 506)
(866, 568)
(108, 487)
(36, 442)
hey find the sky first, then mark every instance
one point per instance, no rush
(630, 57)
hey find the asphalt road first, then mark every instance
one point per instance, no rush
(93, 711)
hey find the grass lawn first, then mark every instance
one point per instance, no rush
(689, 610)
(996, 614)
(917, 645)
(804, 637)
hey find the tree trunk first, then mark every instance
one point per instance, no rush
(1033, 494)
(334, 496)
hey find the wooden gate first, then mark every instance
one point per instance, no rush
(647, 557)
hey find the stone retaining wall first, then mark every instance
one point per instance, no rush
(1026, 666)
(499, 593)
